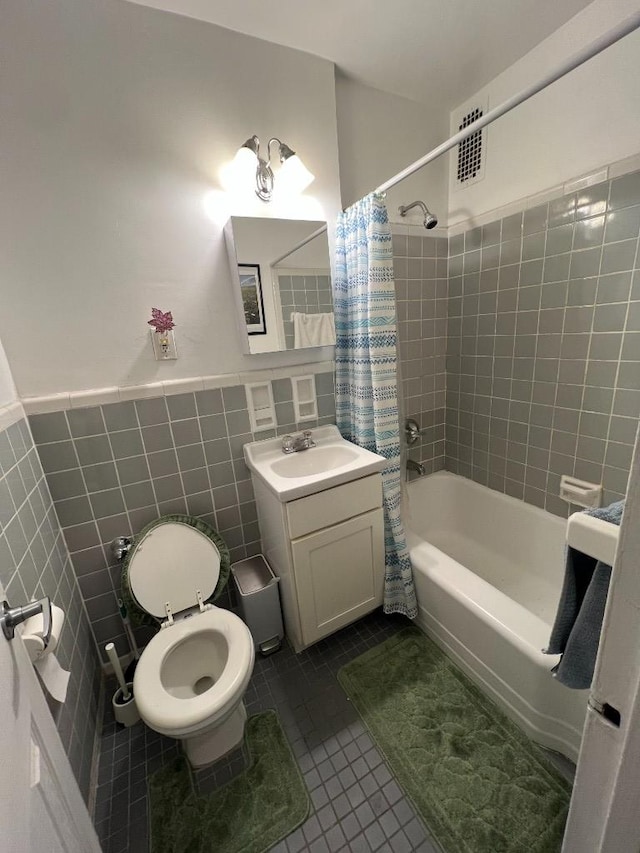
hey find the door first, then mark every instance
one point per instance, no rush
(339, 574)
(604, 815)
(41, 808)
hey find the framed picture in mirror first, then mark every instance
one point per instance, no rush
(251, 290)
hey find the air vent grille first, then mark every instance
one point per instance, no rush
(470, 150)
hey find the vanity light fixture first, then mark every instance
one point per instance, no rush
(293, 176)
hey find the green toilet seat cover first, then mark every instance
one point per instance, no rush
(170, 559)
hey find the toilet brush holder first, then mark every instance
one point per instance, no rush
(125, 711)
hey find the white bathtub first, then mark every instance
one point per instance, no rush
(488, 571)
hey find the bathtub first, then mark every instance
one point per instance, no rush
(488, 571)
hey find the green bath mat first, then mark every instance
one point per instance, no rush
(479, 783)
(249, 815)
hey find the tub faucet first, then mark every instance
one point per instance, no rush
(296, 443)
(418, 467)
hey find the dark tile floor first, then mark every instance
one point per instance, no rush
(357, 806)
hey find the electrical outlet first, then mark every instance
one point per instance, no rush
(164, 345)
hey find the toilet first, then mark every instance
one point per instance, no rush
(192, 676)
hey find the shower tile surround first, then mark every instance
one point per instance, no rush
(420, 270)
(34, 562)
(114, 468)
(543, 345)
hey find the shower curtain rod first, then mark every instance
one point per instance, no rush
(593, 49)
(299, 245)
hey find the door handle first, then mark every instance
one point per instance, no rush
(11, 617)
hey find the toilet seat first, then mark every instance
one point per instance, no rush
(172, 567)
(169, 714)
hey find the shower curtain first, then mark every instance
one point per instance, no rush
(366, 381)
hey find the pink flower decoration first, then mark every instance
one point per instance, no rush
(160, 321)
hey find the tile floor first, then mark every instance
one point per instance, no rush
(357, 806)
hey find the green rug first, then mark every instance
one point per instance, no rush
(248, 815)
(478, 782)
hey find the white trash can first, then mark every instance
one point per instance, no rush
(259, 602)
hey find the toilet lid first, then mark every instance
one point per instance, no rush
(169, 565)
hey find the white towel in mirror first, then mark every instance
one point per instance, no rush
(313, 330)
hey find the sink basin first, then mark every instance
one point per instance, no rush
(332, 462)
(314, 461)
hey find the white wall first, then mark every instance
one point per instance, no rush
(7, 387)
(586, 120)
(378, 135)
(116, 121)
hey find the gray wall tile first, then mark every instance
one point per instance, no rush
(73, 511)
(120, 416)
(49, 427)
(209, 402)
(109, 502)
(625, 191)
(126, 443)
(157, 437)
(234, 398)
(132, 470)
(94, 449)
(181, 406)
(574, 336)
(59, 456)
(186, 432)
(86, 422)
(153, 411)
(34, 561)
(100, 477)
(158, 456)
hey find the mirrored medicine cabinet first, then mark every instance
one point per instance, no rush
(281, 275)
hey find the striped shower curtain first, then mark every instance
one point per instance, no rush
(366, 382)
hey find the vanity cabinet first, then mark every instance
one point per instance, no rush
(328, 551)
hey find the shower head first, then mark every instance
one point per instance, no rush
(430, 219)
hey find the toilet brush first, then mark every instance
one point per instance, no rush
(128, 628)
(123, 702)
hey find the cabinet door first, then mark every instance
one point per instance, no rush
(339, 574)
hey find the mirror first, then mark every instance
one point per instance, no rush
(281, 275)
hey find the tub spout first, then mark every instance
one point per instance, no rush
(418, 467)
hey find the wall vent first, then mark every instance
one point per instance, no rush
(471, 151)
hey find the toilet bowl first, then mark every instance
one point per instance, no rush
(192, 676)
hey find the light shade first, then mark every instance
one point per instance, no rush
(293, 176)
(239, 175)
(244, 166)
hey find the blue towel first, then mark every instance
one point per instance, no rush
(578, 623)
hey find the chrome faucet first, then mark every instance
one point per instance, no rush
(417, 467)
(296, 443)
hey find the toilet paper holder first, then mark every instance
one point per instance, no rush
(12, 617)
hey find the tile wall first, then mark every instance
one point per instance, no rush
(543, 345)
(113, 468)
(34, 562)
(420, 269)
(309, 294)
